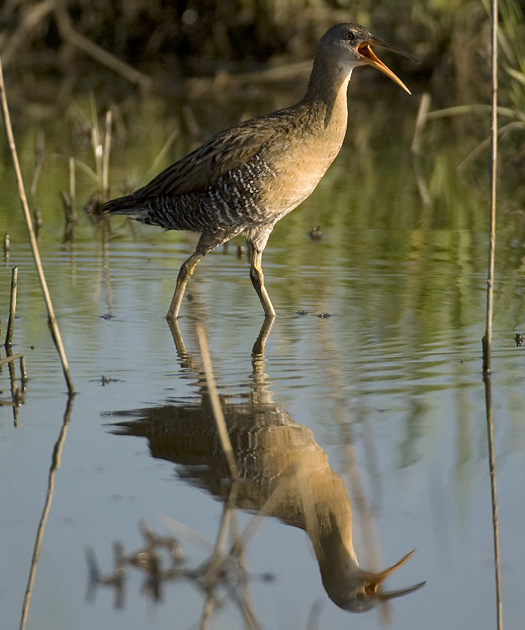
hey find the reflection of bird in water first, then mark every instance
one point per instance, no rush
(246, 178)
(283, 471)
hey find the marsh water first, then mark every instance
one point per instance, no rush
(365, 407)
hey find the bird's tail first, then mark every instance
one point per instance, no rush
(128, 205)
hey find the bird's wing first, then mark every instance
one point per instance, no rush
(224, 152)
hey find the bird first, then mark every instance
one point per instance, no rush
(246, 178)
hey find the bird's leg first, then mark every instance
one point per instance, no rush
(257, 278)
(260, 342)
(207, 242)
(185, 272)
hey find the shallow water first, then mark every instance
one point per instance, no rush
(376, 349)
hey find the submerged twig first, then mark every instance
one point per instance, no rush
(34, 246)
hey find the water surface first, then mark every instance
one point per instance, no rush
(375, 357)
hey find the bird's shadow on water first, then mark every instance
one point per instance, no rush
(282, 472)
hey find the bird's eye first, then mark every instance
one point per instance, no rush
(350, 36)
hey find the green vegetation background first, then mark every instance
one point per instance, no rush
(53, 49)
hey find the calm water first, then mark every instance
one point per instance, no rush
(385, 394)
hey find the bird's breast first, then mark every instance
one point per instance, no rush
(295, 174)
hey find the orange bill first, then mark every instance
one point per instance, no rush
(371, 58)
(372, 589)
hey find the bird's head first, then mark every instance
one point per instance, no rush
(361, 590)
(354, 43)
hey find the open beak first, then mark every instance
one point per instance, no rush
(371, 59)
(372, 589)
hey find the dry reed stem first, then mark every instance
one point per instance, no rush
(314, 615)
(96, 144)
(55, 465)
(467, 110)
(23, 374)
(11, 357)
(422, 117)
(32, 238)
(72, 183)
(507, 129)
(494, 498)
(12, 309)
(267, 509)
(31, 19)
(39, 159)
(104, 57)
(183, 530)
(70, 217)
(487, 339)
(155, 166)
(8, 403)
(7, 246)
(105, 156)
(68, 204)
(216, 403)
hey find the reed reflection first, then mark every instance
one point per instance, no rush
(284, 473)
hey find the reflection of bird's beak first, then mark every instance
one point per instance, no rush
(369, 57)
(372, 589)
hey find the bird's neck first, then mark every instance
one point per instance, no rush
(330, 530)
(326, 92)
(340, 571)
